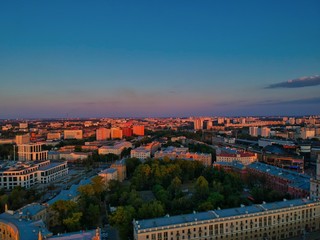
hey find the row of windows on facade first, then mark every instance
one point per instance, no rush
(289, 229)
(257, 222)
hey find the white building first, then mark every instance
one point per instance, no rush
(27, 174)
(73, 156)
(115, 149)
(141, 152)
(32, 152)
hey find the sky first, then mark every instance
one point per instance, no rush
(159, 58)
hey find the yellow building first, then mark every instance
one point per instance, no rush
(121, 169)
(73, 134)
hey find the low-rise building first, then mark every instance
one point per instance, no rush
(115, 149)
(121, 167)
(109, 174)
(73, 134)
(74, 156)
(183, 153)
(53, 136)
(141, 152)
(240, 156)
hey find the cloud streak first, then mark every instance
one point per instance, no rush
(297, 83)
(315, 100)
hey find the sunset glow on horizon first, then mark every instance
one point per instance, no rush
(159, 59)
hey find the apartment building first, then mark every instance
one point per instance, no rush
(103, 134)
(277, 220)
(27, 174)
(138, 130)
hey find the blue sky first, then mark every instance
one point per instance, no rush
(159, 58)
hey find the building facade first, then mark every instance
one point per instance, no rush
(278, 220)
(245, 158)
(103, 134)
(116, 133)
(23, 139)
(32, 152)
(183, 153)
(115, 149)
(315, 183)
(138, 130)
(29, 174)
(120, 165)
(73, 134)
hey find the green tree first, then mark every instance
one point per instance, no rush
(151, 210)
(122, 219)
(175, 188)
(98, 186)
(73, 223)
(216, 199)
(201, 188)
(131, 165)
(92, 218)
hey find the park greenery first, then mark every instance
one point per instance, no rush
(180, 187)
(177, 187)
(18, 198)
(85, 213)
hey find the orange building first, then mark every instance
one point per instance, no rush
(103, 134)
(127, 132)
(116, 133)
(138, 130)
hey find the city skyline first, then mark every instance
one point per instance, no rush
(159, 59)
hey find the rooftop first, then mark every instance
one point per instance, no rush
(28, 230)
(216, 214)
